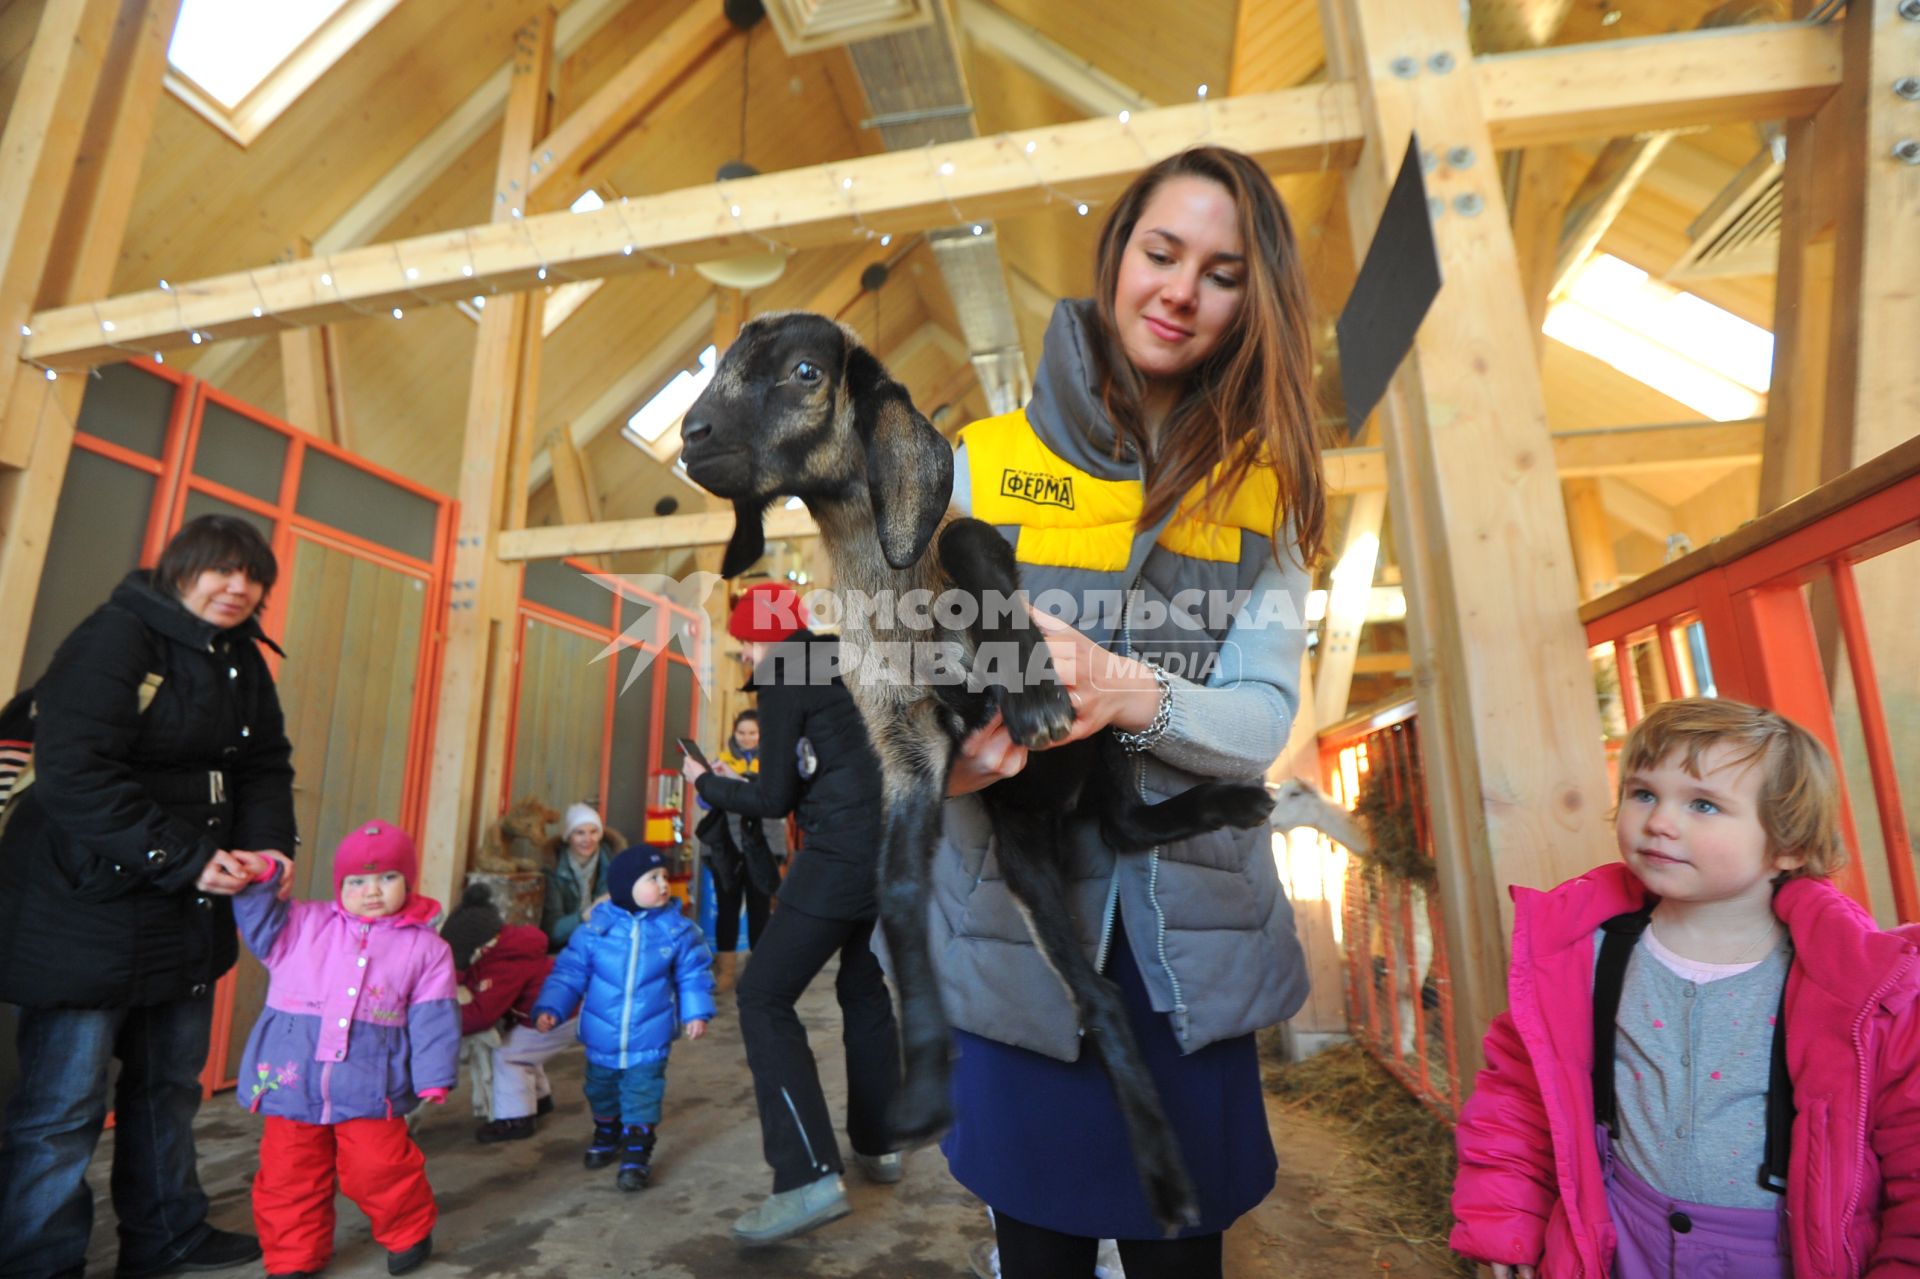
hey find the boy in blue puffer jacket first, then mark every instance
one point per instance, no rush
(642, 969)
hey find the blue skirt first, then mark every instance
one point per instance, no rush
(1044, 1142)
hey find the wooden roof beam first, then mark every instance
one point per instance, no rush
(1615, 451)
(1530, 98)
(574, 149)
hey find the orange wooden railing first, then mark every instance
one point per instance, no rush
(1384, 919)
(1750, 632)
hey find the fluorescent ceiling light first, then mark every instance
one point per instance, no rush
(228, 47)
(1681, 345)
(1659, 367)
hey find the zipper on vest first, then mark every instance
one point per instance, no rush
(1139, 787)
(1181, 1025)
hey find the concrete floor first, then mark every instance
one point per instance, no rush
(528, 1209)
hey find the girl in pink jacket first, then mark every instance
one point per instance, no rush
(359, 1027)
(1710, 1064)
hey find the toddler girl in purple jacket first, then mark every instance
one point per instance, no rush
(360, 1024)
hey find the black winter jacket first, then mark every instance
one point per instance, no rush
(99, 857)
(838, 807)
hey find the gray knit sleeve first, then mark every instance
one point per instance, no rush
(1236, 724)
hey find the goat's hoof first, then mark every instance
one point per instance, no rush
(919, 1116)
(1238, 805)
(1038, 715)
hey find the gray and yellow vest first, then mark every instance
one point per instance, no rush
(1210, 927)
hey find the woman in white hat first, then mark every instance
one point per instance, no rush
(577, 880)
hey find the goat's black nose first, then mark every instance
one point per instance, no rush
(694, 429)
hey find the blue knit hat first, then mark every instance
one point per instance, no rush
(626, 869)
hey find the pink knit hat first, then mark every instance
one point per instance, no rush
(372, 847)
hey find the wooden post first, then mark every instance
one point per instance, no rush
(1516, 779)
(1592, 539)
(729, 316)
(79, 263)
(1539, 208)
(312, 364)
(572, 487)
(38, 151)
(469, 747)
(1802, 303)
(1351, 591)
(1873, 382)
(1873, 377)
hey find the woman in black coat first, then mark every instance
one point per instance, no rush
(159, 755)
(816, 763)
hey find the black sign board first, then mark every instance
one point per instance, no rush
(1395, 288)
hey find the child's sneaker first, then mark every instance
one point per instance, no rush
(636, 1156)
(605, 1146)
(408, 1260)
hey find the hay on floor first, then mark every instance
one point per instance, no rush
(1397, 1184)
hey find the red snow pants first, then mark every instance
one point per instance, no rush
(378, 1167)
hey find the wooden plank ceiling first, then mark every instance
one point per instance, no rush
(207, 206)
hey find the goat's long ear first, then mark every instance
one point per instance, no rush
(749, 540)
(909, 465)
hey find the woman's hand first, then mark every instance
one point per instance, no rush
(1504, 1271)
(226, 874)
(586, 911)
(987, 756)
(462, 996)
(1107, 690)
(721, 769)
(691, 769)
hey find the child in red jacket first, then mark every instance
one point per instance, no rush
(1711, 1059)
(501, 968)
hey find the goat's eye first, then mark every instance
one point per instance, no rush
(807, 371)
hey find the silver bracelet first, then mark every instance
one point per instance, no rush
(1149, 737)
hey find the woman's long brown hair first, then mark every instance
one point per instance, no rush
(1251, 401)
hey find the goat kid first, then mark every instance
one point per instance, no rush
(798, 407)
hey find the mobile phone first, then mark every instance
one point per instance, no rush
(692, 750)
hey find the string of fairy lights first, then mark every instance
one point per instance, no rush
(726, 192)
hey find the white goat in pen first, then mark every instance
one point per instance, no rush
(1298, 803)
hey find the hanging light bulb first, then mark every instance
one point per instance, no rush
(743, 270)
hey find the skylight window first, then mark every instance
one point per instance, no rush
(650, 426)
(1682, 346)
(240, 63)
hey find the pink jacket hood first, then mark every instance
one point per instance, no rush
(1529, 1187)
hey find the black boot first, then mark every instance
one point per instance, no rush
(636, 1156)
(545, 1105)
(217, 1250)
(605, 1146)
(505, 1130)
(408, 1260)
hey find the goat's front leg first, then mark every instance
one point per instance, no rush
(1009, 650)
(915, 754)
(1129, 823)
(1031, 855)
